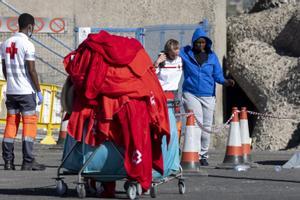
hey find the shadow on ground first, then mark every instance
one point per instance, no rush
(272, 162)
(50, 191)
(18, 166)
(44, 191)
(254, 179)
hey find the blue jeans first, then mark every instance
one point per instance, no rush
(203, 108)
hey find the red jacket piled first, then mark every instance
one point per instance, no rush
(119, 96)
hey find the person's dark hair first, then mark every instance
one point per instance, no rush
(24, 20)
(170, 45)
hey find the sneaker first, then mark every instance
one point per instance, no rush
(32, 166)
(9, 165)
(204, 162)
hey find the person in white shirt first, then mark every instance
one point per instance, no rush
(18, 66)
(169, 71)
(169, 67)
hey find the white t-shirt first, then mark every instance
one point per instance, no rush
(15, 51)
(169, 75)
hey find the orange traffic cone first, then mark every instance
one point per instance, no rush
(179, 126)
(244, 129)
(63, 130)
(178, 119)
(190, 156)
(245, 137)
(234, 152)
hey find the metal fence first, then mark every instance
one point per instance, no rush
(50, 48)
(49, 60)
(49, 112)
(153, 38)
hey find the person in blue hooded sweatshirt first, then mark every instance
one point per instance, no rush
(202, 70)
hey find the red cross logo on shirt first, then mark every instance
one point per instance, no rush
(12, 50)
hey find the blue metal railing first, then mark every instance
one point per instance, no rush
(143, 34)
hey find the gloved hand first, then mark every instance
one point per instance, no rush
(40, 96)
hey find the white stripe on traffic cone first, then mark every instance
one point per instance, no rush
(233, 154)
(190, 157)
(63, 130)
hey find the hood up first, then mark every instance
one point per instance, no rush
(200, 33)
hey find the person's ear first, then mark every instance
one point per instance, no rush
(30, 28)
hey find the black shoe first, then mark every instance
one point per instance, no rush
(204, 162)
(9, 165)
(32, 166)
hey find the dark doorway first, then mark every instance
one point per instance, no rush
(236, 97)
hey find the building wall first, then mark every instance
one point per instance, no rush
(219, 27)
(123, 13)
(116, 13)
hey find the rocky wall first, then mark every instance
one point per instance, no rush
(263, 57)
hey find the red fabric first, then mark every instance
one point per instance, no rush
(170, 95)
(114, 50)
(110, 74)
(134, 121)
(88, 65)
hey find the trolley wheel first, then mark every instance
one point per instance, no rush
(131, 191)
(181, 187)
(61, 187)
(153, 191)
(139, 189)
(81, 192)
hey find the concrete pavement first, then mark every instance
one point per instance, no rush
(257, 183)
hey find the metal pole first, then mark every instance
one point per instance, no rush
(10, 6)
(51, 66)
(40, 43)
(60, 42)
(43, 45)
(162, 40)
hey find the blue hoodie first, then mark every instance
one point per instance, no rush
(200, 80)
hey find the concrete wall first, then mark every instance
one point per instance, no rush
(129, 13)
(219, 37)
(116, 13)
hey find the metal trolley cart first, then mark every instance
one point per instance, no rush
(105, 163)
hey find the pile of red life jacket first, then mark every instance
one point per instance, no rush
(119, 97)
